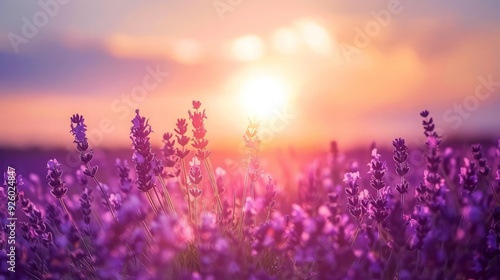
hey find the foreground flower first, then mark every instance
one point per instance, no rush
(402, 168)
(468, 176)
(199, 141)
(59, 191)
(54, 176)
(195, 192)
(79, 129)
(377, 170)
(144, 159)
(356, 206)
(195, 176)
(123, 174)
(434, 191)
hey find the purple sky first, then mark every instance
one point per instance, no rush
(90, 55)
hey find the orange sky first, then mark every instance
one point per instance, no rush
(309, 60)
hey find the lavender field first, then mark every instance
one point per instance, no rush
(173, 214)
(238, 139)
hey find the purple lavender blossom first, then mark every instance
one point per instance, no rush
(86, 204)
(477, 153)
(269, 196)
(252, 232)
(79, 130)
(421, 227)
(144, 158)
(357, 207)
(468, 176)
(199, 141)
(54, 175)
(195, 192)
(123, 174)
(182, 138)
(170, 155)
(377, 170)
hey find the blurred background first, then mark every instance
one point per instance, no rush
(310, 71)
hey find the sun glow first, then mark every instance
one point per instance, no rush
(247, 48)
(262, 95)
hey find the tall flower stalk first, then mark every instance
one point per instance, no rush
(269, 202)
(147, 166)
(86, 207)
(171, 163)
(200, 143)
(313, 238)
(59, 190)
(484, 169)
(468, 177)
(402, 168)
(123, 174)
(252, 144)
(379, 204)
(434, 193)
(195, 179)
(181, 153)
(79, 129)
(357, 204)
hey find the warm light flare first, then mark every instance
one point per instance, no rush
(247, 48)
(262, 95)
(316, 37)
(286, 40)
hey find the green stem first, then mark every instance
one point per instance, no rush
(108, 203)
(495, 195)
(243, 200)
(356, 233)
(151, 202)
(42, 262)
(183, 180)
(167, 196)
(454, 192)
(252, 190)
(402, 206)
(159, 200)
(213, 183)
(146, 228)
(234, 206)
(417, 261)
(195, 218)
(387, 266)
(380, 234)
(33, 275)
(63, 205)
(97, 219)
(402, 200)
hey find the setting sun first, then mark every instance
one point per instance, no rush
(261, 95)
(236, 139)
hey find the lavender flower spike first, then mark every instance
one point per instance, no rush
(54, 175)
(143, 156)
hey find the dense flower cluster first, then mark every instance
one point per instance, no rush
(79, 131)
(54, 175)
(146, 164)
(357, 202)
(200, 143)
(123, 173)
(165, 222)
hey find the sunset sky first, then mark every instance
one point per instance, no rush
(312, 71)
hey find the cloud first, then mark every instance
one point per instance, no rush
(55, 67)
(184, 50)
